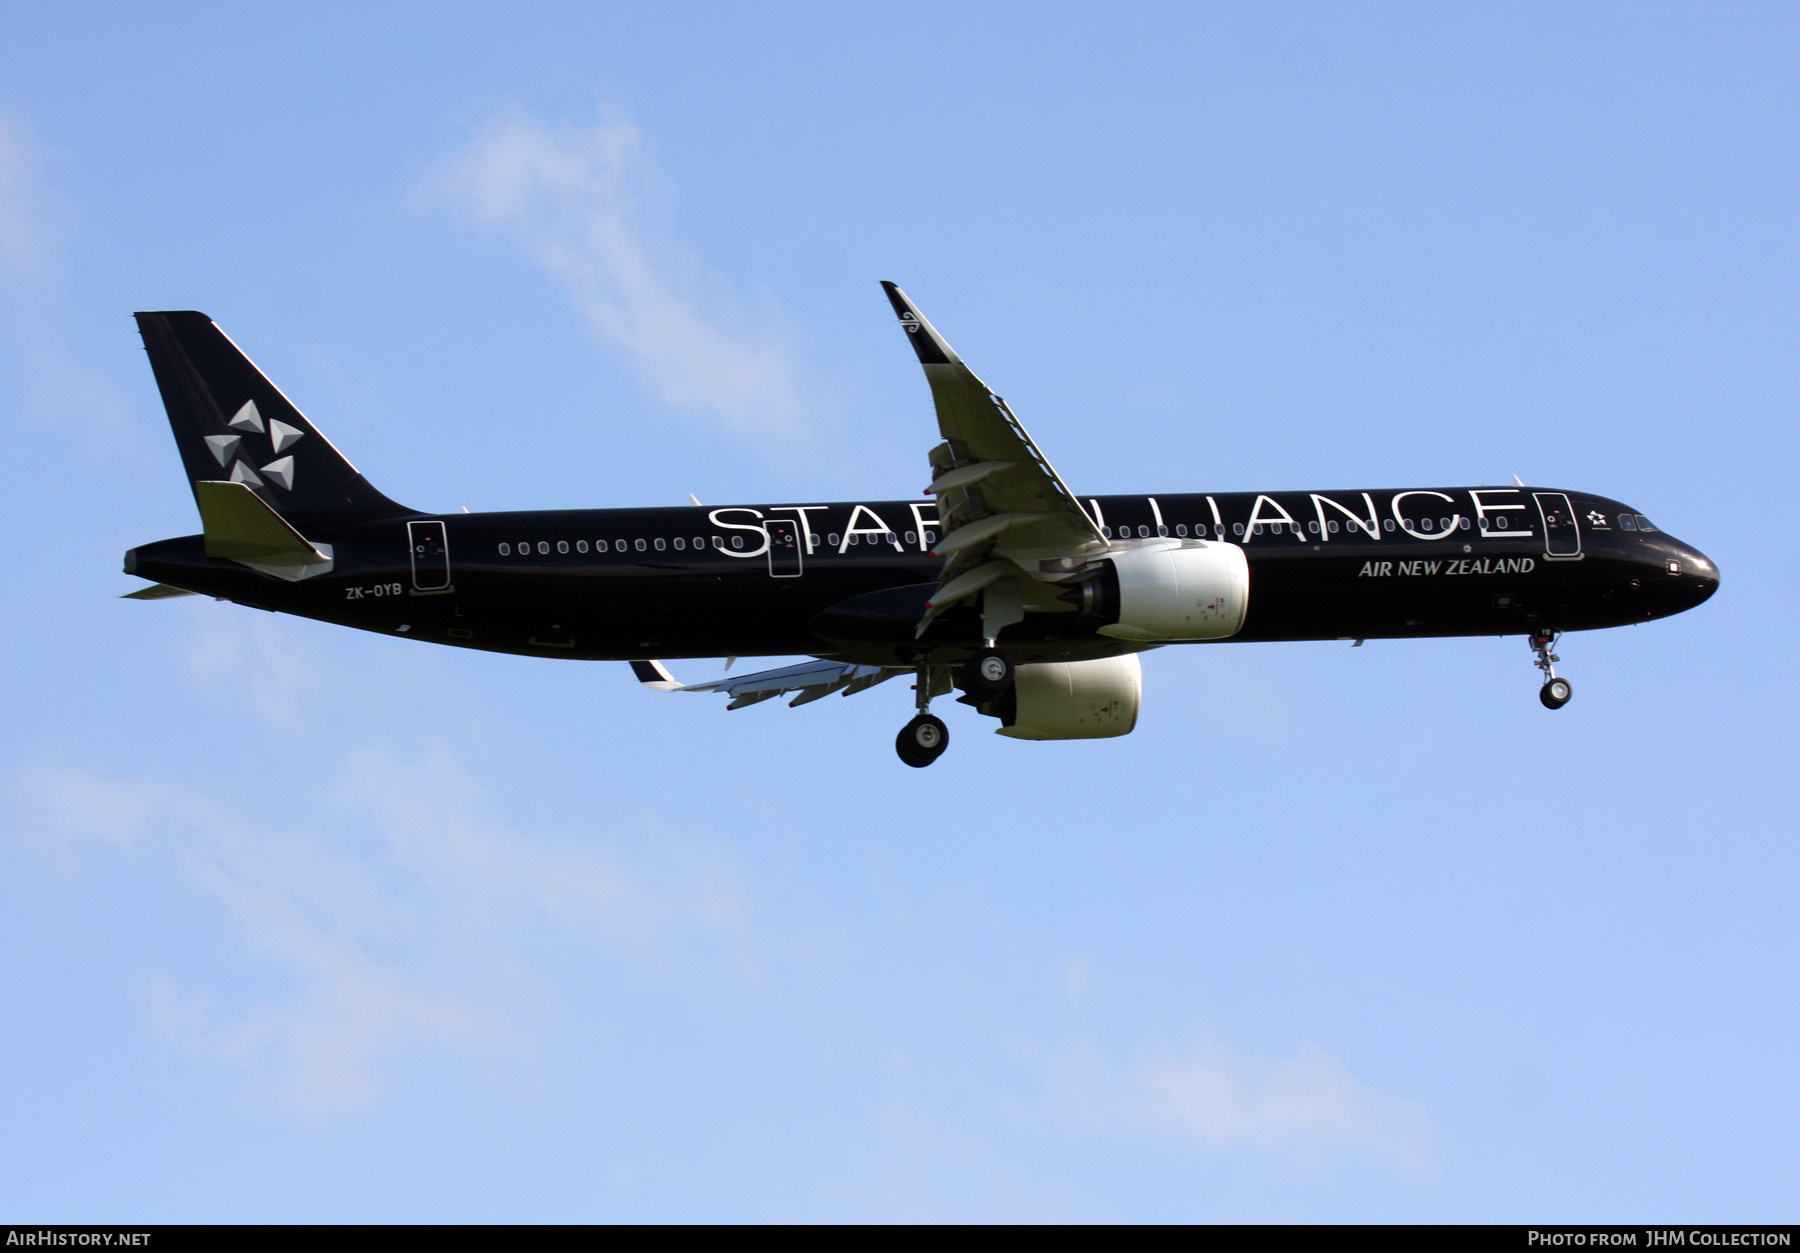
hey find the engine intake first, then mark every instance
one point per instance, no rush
(1173, 590)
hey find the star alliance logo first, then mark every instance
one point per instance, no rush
(231, 451)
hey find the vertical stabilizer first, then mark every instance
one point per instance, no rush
(233, 425)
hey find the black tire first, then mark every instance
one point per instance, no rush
(922, 741)
(987, 674)
(1555, 693)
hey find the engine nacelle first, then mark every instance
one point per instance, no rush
(1173, 590)
(1074, 700)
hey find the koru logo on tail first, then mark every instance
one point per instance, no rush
(910, 321)
(231, 450)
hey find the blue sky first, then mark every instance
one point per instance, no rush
(299, 923)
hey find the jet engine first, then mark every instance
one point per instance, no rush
(1073, 700)
(1173, 590)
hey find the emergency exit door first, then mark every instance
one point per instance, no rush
(784, 548)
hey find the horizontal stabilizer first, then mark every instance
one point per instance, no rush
(239, 526)
(157, 591)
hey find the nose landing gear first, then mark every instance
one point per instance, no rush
(924, 739)
(1556, 690)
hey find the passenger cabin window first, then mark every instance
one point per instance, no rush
(580, 545)
(1181, 529)
(544, 547)
(506, 550)
(641, 546)
(1332, 527)
(1388, 523)
(737, 541)
(680, 543)
(699, 541)
(832, 539)
(1464, 524)
(1237, 528)
(912, 537)
(562, 545)
(1625, 524)
(660, 545)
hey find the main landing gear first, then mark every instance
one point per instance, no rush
(1556, 690)
(924, 739)
(986, 676)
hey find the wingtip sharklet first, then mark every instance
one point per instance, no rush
(926, 342)
(655, 676)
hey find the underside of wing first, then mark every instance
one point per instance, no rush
(812, 680)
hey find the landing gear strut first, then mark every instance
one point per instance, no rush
(924, 739)
(1556, 690)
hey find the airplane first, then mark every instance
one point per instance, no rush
(1001, 583)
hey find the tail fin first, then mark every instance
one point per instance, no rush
(232, 425)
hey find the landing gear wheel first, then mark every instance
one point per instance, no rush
(922, 741)
(1556, 690)
(988, 674)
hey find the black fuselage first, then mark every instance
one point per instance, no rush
(850, 580)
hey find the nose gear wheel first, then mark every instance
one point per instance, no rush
(1556, 690)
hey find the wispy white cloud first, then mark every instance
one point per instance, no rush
(1307, 1108)
(33, 227)
(587, 205)
(35, 233)
(398, 914)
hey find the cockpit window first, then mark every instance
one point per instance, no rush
(1644, 523)
(1625, 523)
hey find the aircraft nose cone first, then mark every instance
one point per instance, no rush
(1699, 576)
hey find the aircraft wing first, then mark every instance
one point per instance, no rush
(812, 679)
(1000, 501)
